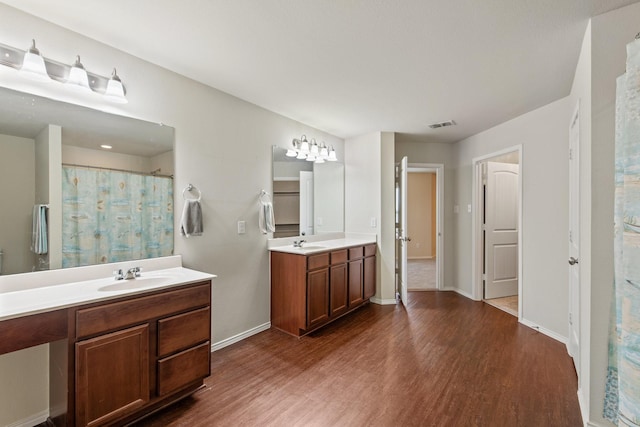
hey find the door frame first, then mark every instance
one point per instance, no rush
(438, 168)
(476, 223)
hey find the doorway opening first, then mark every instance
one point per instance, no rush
(422, 251)
(419, 225)
(497, 219)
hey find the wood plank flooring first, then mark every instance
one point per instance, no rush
(443, 361)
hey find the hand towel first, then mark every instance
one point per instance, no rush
(39, 244)
(191, 222)
(266, 220)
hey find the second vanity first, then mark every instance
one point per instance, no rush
(118, 348)
(318, 282)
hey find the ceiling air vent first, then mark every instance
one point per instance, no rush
(442, 124)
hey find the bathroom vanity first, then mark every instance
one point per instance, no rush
(119, 349)
(319, 282)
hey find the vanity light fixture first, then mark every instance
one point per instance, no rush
(32, 64)
(311, 151)
(106, 146)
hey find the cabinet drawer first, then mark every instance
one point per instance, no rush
(338, 257)
(106, 317)
(317, 261)
(183, 331)
(181, 369)
(370, 250)
(355, 253)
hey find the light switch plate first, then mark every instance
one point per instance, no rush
(373, 222)
(469, 208)
(241, 227)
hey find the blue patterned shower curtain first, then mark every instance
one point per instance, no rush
(622, 399)
(111, 216)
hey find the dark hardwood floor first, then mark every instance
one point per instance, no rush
(443, 361)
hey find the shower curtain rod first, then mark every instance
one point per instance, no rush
(118, 170)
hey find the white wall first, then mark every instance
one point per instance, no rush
(105, 159)
(369, 200)
(17, 186)
(223, 146)
(543, 168)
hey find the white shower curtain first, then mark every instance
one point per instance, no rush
(622, 398)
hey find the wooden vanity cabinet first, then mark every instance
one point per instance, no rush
(309, 291)
(339, 286)
(369, 271)
(138, 354)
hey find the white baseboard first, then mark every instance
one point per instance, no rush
(31, 420)
(380, 301)
(459, 291)
(544, 331)
(239, 337)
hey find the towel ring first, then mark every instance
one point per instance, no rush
(189, 188)
(264, 195)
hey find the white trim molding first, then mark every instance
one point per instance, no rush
(544, 331)
(459, 291)
(380, 301)
(31, 420)
(239, 337)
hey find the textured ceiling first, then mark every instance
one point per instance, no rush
(350, 67)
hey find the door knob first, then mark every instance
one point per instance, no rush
(573, 261)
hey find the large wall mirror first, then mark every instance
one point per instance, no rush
(308, 197)
(101, 184)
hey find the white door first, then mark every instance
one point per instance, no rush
(574, 240)
(501, 230)
(306, 203)
(403, 236)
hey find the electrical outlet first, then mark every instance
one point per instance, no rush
(319, 221)
(468, 208)
(241, 227)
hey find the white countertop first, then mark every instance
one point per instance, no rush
(324, 245)
(24, 302)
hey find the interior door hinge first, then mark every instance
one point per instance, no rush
(484, 277)
(570, 153)
(570, 236)
(570, 319)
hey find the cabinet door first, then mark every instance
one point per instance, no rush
(369, 277)
(355, 282)
(112, 375)
(339, 290)
(317, 297)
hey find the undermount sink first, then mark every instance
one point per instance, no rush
(312, 247)
(138, 282)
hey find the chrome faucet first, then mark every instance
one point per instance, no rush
(131, 273)
(298, 243)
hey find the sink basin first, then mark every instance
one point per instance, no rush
(309, 247)
(139, 282)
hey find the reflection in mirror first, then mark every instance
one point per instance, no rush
(100, 204)
(308, 197)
